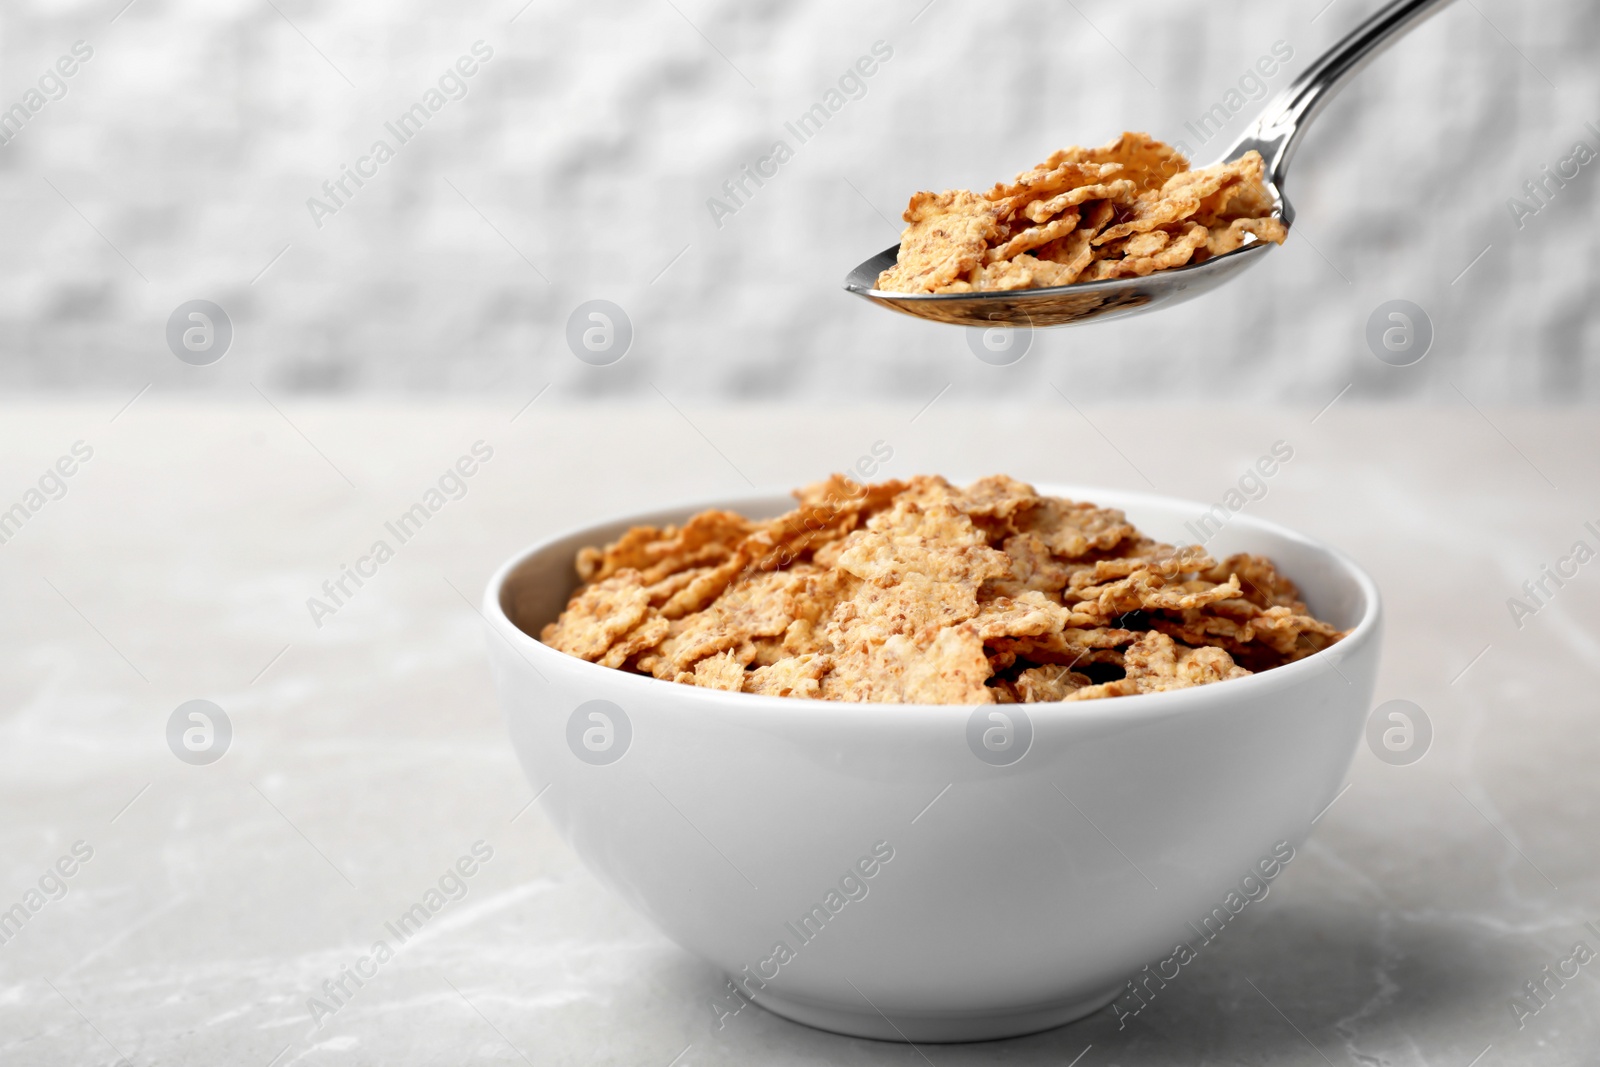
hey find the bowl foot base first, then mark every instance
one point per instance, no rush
(934, 1027)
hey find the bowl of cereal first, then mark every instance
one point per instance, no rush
(916, 762)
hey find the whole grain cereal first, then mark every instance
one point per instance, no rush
(921, 592)
(1126, 209)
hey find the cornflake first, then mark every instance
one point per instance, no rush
(1127, 209)
(923, 592)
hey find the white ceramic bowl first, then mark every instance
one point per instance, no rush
(1015, 896)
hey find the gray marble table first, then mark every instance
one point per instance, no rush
(207, 905)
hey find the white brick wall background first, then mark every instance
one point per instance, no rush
(180, 159)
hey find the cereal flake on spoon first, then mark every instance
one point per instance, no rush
(1127, 209)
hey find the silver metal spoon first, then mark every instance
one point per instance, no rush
(1275, 134)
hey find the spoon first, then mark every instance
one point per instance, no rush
(1275, 134)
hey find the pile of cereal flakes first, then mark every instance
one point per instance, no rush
(1128, 209)
(920, 592)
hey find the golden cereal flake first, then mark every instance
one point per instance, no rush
(1155, 663)
(1159, 559)
(1230, 190)
(1120, 191)
(668, 587)
(1167, 254)
(826, 512)
(1048, 683)
(1026, 240)
(1207, 182)
(647, 635)
(1023, 272)
(1145, 161)
(1149, 211)
(946, 238)
(1029, 614)
(722, 671)
(598, 615)
(996, 497)
(1144, 244)
(1259, 639)
(917, 607)
(839, 495)
(951, 669)
(1122, 687)
(1070, 645)
(1292, 635)
(1205, 627)
(760, 604)
(708, 537)
(1072, 253)
(1048, 181)
(796, 676)
(937, 541)
(1146, 590)
(708, 584)
(1032, 568)
(1225, 238)
(1263, 585)
(1072, 529)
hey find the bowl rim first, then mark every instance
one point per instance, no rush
(1120, 710)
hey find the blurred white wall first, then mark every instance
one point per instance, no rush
(178, 160)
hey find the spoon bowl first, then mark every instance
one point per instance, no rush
(1060, 305)
(1275, 134)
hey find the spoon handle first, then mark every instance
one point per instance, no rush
(1276, 133)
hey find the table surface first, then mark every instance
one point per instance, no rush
(368, 755)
